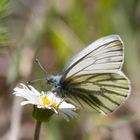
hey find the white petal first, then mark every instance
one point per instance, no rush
(66, 105)
(34, 91)
(30, 94)
(26, 102)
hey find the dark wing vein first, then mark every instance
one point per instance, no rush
(102, 97)
(88, 55)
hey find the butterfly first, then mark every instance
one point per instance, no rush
(93, 78)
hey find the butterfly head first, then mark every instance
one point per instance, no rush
(54, 80)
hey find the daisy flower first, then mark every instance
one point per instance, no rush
(45, 100)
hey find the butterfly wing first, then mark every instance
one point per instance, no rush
(103, 92)
(94, 78)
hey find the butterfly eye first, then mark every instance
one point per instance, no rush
(50, 80)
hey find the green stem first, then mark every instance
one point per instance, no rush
(37, 130)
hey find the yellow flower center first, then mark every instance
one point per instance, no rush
(46, 102)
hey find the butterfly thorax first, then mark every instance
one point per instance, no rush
(54, 81)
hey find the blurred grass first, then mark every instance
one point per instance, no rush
(3, 29)
(54, 31)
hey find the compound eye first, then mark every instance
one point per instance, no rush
(50, 80)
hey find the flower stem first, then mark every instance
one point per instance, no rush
(37, 130)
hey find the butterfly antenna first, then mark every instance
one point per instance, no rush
(33, 81)
(42, 68)
(38, 62)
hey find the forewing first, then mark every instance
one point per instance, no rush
(102, 56)
(103, 92)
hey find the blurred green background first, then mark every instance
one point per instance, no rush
(53, 31)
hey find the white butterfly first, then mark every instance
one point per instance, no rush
(93, 79)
